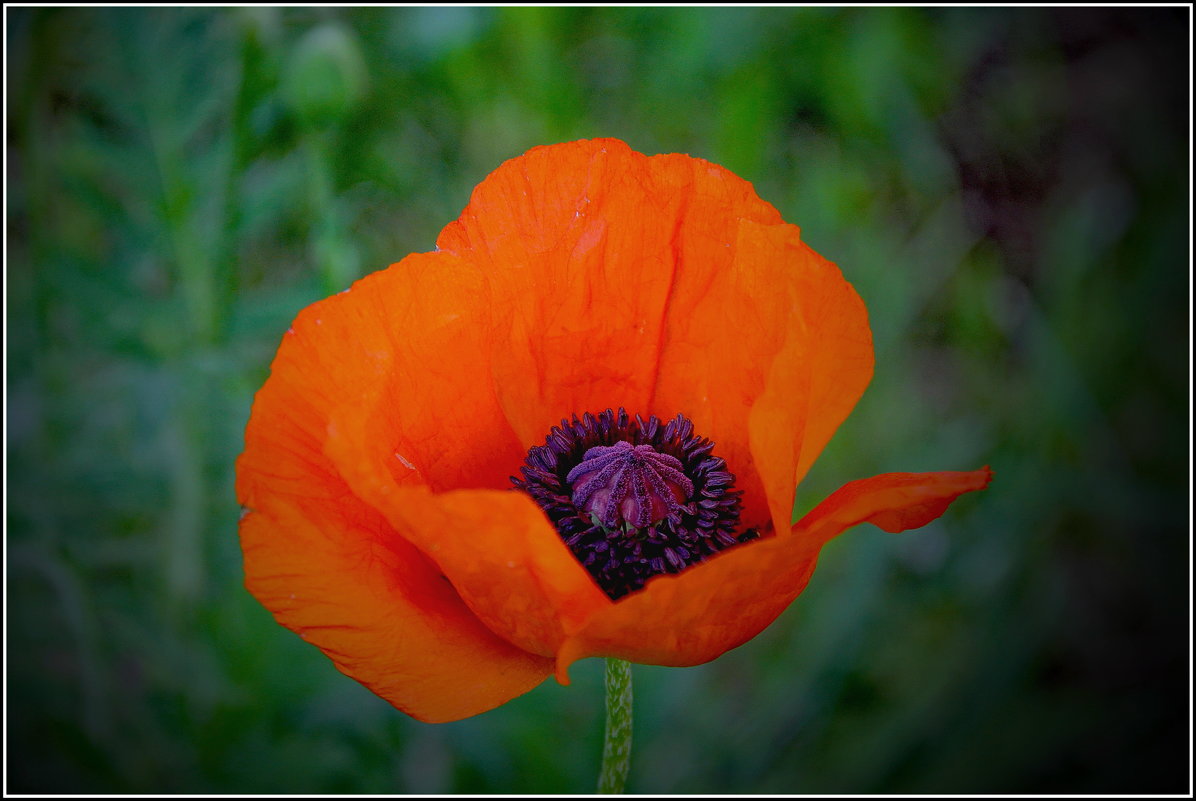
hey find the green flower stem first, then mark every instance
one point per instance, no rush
(616, 750)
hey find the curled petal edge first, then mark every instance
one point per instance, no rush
(890, 501)
(694, 617)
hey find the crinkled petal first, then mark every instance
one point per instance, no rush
(665, 284)
(378, 388)
(767, 355)
(695, 616)
(415, 395)
(597, 253)
(431, 413)
(575, 242)
(815, 379)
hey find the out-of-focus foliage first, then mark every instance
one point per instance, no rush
(1006, 188)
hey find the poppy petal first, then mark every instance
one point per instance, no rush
(360, 385)
(586, 245)
(505, 559)
(891, 501)
(340, 578)
(770, 382)
(424, 408)
(813, 383)
(414, 382)
(695, 616)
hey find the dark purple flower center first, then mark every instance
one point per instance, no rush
(633, 498)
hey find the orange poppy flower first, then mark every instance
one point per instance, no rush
(380, 523)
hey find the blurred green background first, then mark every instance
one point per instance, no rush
(1006, 188)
